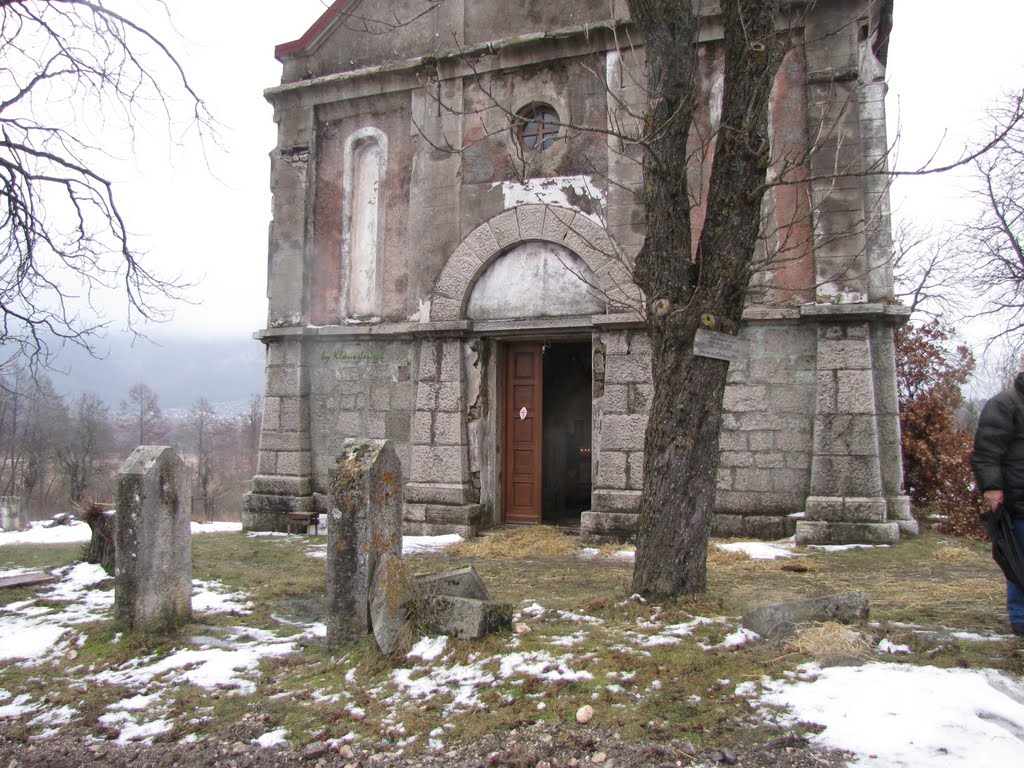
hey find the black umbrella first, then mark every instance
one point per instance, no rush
(1005, 550)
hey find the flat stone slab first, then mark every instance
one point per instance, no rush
(782, 619)
(458, 582)
(26, 580)
(463, 617)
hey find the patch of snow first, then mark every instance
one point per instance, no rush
(536, 610)
(739, 637)
(542, 665)
(272, 739)
(939, 718)
(414, 544)
(207, 668)
(135, 703)
(78, 531)
(38, 533)
(27, 638)
(845, 547)
(214, 597)
(757, 550)
(885, 645)
(974, 637)
(579, 618)
(216, 527)
(21, 705)
(429, 648)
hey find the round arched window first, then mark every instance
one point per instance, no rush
(537, 126)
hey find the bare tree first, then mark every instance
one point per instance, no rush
(993, 245)
(62, 235)
(929, 276)
(202, 422)
(31, 417)
(251, 422)
(684, 293)
(141, 414)
(86, 443)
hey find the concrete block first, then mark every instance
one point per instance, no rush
(855, 392)
(531, 221)
(740, 398)
(607, 500)
(622, 433)
(457, 582)
(605, 526)
(727, 526)
(825, 532)
(297, 463)
(439, 464)
(843, 355)
(505, 227)
(437, 493)
(615, 399)
(463, 617)
(612, 470)
(627, 369)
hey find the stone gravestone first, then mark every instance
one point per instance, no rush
(153, 574)
(364, 524)
(12, 514)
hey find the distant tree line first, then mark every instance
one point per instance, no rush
(60, 454)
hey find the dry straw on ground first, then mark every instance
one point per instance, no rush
(827, 642)
(528, 542)
(954, 553)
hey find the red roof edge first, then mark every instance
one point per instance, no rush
(298, 46)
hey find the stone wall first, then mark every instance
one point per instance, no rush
(766, 440)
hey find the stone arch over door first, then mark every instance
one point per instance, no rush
(562, 226)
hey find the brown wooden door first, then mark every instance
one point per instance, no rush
(523, 427)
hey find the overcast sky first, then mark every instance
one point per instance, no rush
(947, 62)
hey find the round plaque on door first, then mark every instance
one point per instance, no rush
(523, 413)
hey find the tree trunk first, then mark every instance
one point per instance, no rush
(102, 521)
(687, 292)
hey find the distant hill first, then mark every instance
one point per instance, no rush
(224, 370)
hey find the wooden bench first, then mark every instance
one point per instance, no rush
(301, 522)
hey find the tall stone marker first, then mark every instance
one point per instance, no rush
(364, 524)
(13, 515)
(153, 575)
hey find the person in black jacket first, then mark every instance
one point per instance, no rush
(998, 462)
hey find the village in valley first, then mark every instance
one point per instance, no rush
(607, 407)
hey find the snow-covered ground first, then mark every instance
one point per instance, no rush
(890, 715)
(39, 533)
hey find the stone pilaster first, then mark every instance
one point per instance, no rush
(440, 497)
(849, 487)
(283, 481)
(622, 400)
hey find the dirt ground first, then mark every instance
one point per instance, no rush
(528, 747)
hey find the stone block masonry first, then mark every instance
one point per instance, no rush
(153, 575)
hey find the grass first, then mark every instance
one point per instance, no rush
(592, 643)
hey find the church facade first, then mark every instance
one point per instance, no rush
(454, 219)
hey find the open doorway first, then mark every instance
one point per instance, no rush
(547, 432)
(567, 429)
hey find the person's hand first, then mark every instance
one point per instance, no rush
(992, 499)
